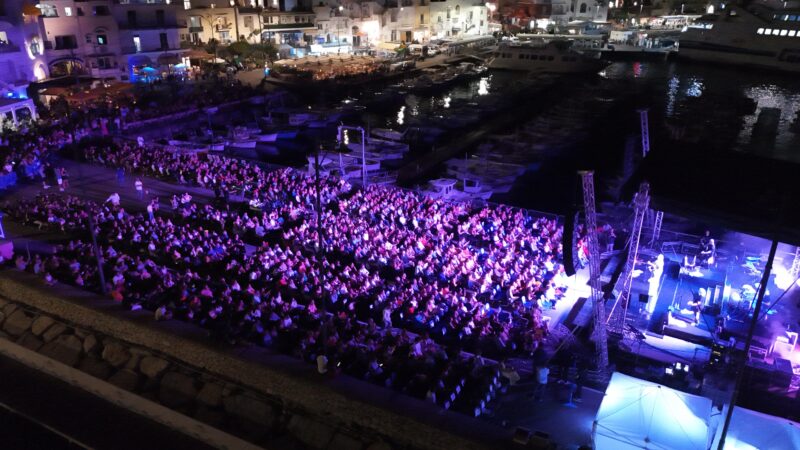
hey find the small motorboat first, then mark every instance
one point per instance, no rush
(387, 133)
(248, 143)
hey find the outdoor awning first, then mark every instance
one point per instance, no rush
(168, 58)
(55, 91)
(140, 60)
(388, 45)
(198, 54)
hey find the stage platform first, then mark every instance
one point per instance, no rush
(667, 350)
(696, 334)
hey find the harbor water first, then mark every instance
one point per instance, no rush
(580, 122)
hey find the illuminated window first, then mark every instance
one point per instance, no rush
(102, 39)
(784, 32)
(768, 31)
(760, 31)
(776, 32)
(68, 11)
(48, 10)
(792, 33)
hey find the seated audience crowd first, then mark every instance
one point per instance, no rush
(391, 286)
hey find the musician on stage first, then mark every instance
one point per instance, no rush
(696, 304)
(707, 249)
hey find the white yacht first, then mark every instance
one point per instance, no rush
(755, 36)
(555, 56)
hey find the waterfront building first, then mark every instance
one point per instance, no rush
(224, 21)
(149, 33)
(209, 19)
(290, 31)
(21, 48)
(21, 59)
(110, 39)
(406, 21)
(81, 38)
(420, 21)
(458, 18)
(334, 29)
(248, 21)
(529, 15)
(566, 11)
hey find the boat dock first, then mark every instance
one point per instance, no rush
(462, 142)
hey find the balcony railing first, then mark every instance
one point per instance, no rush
(152, 25)
(289, 26)
(144, 2)
(127, 50)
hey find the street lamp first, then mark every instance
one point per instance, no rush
(340, 140)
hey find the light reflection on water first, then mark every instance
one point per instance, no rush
(699, 93)
(483, 86)
(422, 106)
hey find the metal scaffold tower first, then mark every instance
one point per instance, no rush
(618, 314)
(600, 337)
(657, 228)
(795, 270)
(645, 126)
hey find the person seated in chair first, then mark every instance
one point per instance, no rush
(707, 249)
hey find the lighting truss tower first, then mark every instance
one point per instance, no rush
(616, 318)
(643, 123)
(657, 228)
(600, 336)
(795, 270)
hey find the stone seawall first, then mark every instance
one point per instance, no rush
(278, 402)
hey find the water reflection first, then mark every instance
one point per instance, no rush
(417, 108)
(672, 94)
(695, 88)
(712, 106)
(483, 86)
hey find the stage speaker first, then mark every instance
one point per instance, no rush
(783, 373)
(568, 243)
(643, 298)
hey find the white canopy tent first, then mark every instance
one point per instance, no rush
(750, 430)
(638, 414)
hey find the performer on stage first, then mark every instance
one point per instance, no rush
(696, 304)
(708, 249)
